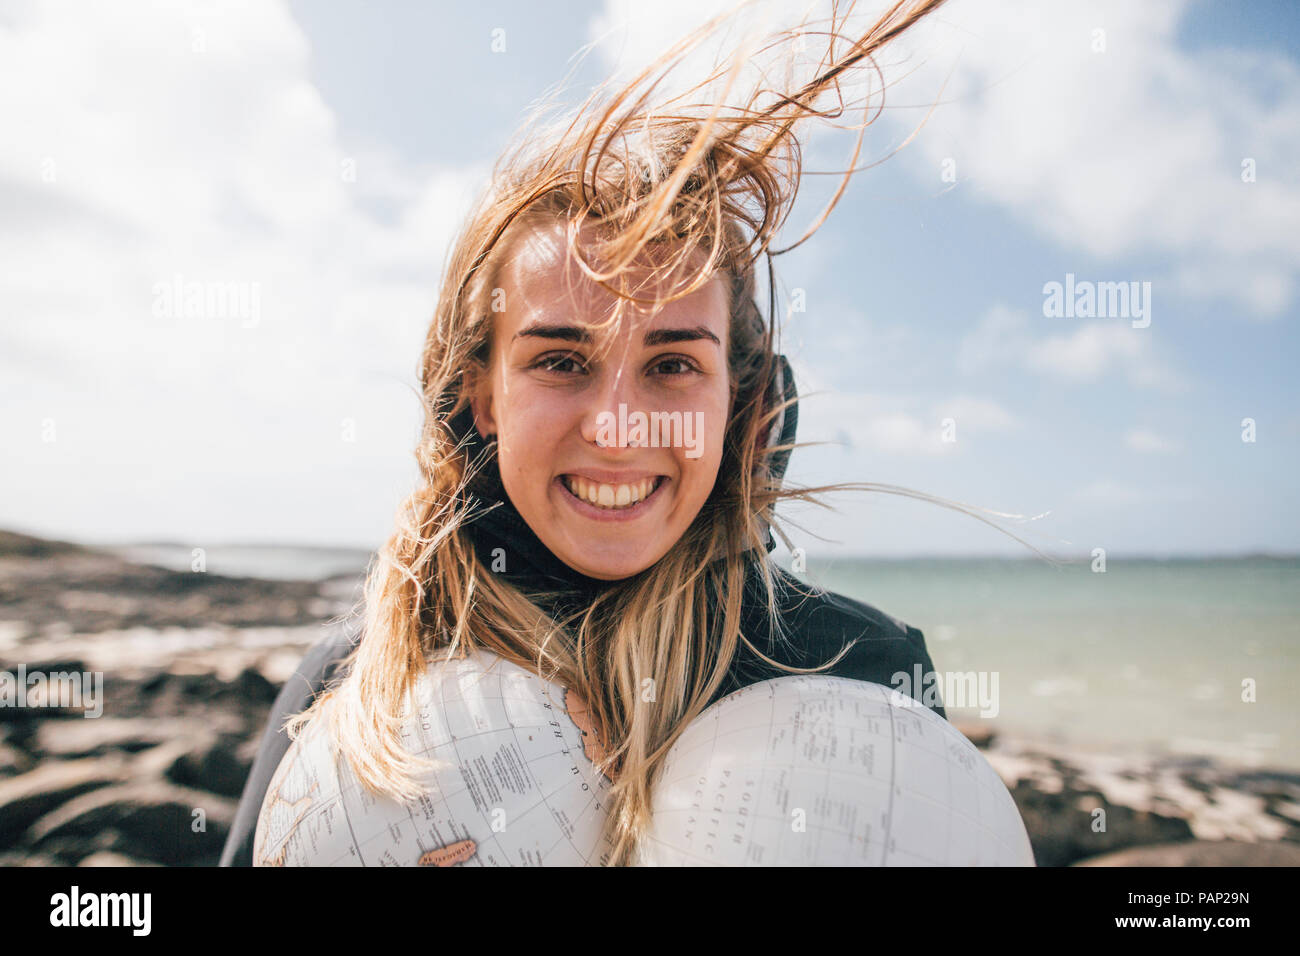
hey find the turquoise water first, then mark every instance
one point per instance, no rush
(1149, 655)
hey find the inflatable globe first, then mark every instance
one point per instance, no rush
(793, 771)
(829, 771)
(515, 783)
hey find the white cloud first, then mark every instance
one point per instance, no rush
(893, 432)
(1106, 491)
(631, 34)
(1149, 442)
(1110, 493)
(149, 142)
(1266, 290)
(893, 424)
(881, 423)
(1097, 349)
(1087, 353)
(1001, 336)
(981, 414)
(1133, 151)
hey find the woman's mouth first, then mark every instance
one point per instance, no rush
(605, 502)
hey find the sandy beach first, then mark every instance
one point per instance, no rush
(190, 664)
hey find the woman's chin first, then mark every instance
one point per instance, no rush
(611, 560)
(607, 568)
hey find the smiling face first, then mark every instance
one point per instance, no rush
(607, 497)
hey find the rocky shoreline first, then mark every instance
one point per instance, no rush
(1098, 809)
(191, 663)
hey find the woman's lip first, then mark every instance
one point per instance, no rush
(588, 510)
(601, 477)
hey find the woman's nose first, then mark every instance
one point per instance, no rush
(615, 386)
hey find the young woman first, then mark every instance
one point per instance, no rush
(608, 271)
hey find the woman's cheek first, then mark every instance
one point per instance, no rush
(538, 412)
(714, 424)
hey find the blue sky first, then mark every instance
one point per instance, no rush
(206, 141)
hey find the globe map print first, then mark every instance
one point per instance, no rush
(808, 770)
(799, 770)
(514, 786)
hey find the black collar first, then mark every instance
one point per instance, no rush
(507, 546)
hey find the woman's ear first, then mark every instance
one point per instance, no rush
(479, 387)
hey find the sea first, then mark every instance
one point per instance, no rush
(1185, 657)
(1169, 657)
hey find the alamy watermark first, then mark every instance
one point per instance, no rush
(68, 690)
(656, 430)
(975, 689)
(179, 299)
(129, 910)
(1098, 300)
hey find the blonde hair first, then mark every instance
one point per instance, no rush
(709, 189)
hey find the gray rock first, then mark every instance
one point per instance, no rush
(218, 766)
(14, 761)
(157, 822)
(69, 849)
(978, 732)
(26, 859)
(251, 685)
(1060, 825)
(88, 591)
(1202, 853)
(79, 738)
(29, 796)
(109, 858)
(21, 715)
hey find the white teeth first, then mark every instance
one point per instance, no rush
(609, 496)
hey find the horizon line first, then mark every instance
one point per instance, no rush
(1150, 555)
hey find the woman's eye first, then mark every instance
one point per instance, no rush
(683, 366)
(554, 363)
(570, 363)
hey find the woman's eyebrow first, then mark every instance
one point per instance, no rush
(572, 333)
(669, 336)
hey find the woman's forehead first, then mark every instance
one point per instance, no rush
(542, 282)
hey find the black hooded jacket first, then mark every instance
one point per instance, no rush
(819, 624)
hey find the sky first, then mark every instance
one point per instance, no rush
(316, 159)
